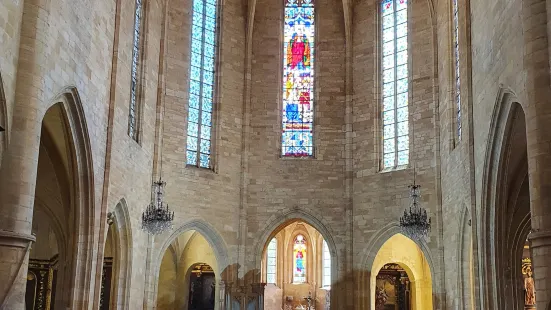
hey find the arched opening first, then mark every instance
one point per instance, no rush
(116, 259)
(400, 270)
(62, 203)
(506, 210)
(296, 267)
(189, 274)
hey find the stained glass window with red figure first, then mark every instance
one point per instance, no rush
(298, 79)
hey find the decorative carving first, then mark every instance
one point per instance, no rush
(530, 290)
(380, 297)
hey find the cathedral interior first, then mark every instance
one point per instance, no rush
(275, 154)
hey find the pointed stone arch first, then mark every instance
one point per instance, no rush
(369, 254)
(504, 175)
(205, 229)
(83, 216)
(122, 265)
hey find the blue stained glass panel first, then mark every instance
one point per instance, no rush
(194, 87)
(196, 46)
(210, 24)
(198, 6)
(202, 74)
(208, 77)
(195, 73)
(207, 91)
(205, 118)
(205, 146)
(209, 37)
(196, 60)
(207, 104)
(209, 50)
(395, 79)
(192, 129)
(193, 115)
(205, 132)
(194, 101)
(191, 158)
(197, 18)
(197, 32)
(204, 160)
(210, 11)
(192, 143)
(208, 63)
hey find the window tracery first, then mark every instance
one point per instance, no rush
(395, 79)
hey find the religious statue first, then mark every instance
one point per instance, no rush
(380, 297)
(298, 50)
(530, 297)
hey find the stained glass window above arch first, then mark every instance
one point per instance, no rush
(457, 86)
(395, 83)
(299, 259)
(133, 111)
(201, 83)
(298, 79)
(271, 262)
(326, 264)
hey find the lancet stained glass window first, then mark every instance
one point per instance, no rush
(456, 63)
(299, 260)
(298, 79)
(201, 83)
(395, 83)
(132, 116)
(326, 264)
(271, 262)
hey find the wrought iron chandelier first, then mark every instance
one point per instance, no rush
(157, 217)
(415, 223)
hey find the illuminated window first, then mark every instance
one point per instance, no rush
(395, 83)
(326, 264)
(271, 262)
(456, 64)
(133, 113)
(299, 260)
(201, 83)
(298, 79)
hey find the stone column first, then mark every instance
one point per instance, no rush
(20, 161)
(538, 133)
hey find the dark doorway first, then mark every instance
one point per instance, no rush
(201, 290)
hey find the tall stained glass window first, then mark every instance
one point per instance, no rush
(133, 113)
(395, 83)
(298, 79)
(326, 264)
(201, 83)
(271, 262)
(456, 64)
(299, 260)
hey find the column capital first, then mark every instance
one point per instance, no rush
(539, 238)
(15, 239)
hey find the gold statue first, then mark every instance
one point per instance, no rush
(530, 297)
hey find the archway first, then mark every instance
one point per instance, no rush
(297, 265)
(403, 252)
(186, 252)
(505, 221)
(117, 259)
(63, 198)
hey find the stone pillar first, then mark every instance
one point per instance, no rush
(538, 134)
(20, 161)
